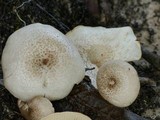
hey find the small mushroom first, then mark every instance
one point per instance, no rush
(40, 108)
(38, 60)
(118, 83)
(66, 116)
(36, 108)
(99, 44)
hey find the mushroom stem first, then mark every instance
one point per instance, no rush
(36, 108)
(111, 82)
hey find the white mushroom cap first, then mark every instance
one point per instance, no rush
(100, 44)
(38, 60)
(36, 108)
(118, 83)
(66, 116)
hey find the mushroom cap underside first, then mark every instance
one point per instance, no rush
(101, 44)
(66, 116)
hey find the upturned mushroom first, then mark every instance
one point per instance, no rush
(38, 60)
(40, 108)
(98, 45)
(118, 83)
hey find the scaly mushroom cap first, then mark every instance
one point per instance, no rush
(66, 116)
(36, 108)
(38, 60)
(98, 45)
(118, 83)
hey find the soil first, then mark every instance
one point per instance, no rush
(142, 15)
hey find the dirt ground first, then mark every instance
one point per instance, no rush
(142, 15)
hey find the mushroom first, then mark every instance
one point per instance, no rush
(66, 116)
(36, 108)
(38, 60)
(98, 45)
(40, 108)
(118, 83)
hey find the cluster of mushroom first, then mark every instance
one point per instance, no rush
(40, 64)
(108, 50)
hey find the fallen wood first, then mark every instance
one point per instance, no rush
(85, 98)
(151, 57)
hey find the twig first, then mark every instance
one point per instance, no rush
(15, 10)
(28, 1)
(88, 69)
(20, 17)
